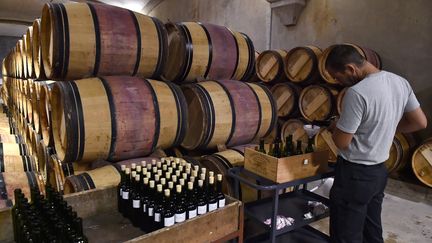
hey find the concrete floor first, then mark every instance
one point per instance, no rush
(404, 220)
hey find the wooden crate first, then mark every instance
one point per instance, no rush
(286, 169)
(102, 222)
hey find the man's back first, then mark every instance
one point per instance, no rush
(371, 111)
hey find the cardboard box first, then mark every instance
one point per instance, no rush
(286, 169)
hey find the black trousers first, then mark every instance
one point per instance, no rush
(355, 202)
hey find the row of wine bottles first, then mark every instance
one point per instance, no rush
(160, 194)
(45, 219)
(279, 150)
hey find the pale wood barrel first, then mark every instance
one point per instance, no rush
(39, 71)
(421, 162)
(324, 141)
(339, 100)
(100, 39)
(286, 96)
(295, 128)
(227, 112)
(207, 51)
(115, 118)
(301, 65)
(101, 177)
(17, 163)
(270, 66)
(45, 113)
(9, 181)
(399, 153)
(57, 171)
(24, 57)
(10, 138)
(29, 52)
(316, 102)
(370, 55)
(13, 149)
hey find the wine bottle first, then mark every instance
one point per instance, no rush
(211, 195)
(201, 199)
(220, 195)
(271, 149)
(125, 192)
(298, 148)
(150, 223)
(159, 207)
(276, 149)
(261, 146)
(289, 146)
(180, 211)
(168, 212)
(133, 167)
(309, 148)
(136, 202)
(191, 202)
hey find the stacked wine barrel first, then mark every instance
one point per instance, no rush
(90, 82)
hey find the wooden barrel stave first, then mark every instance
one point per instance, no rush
(316, 103)
(286, 96)
(270, 66)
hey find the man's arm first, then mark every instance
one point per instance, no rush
(412, 121)
(341, 139)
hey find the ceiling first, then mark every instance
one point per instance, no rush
(17, 15)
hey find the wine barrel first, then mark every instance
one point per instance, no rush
(57, 171)
(294, 127)
(45, 113)
(399, 153)
(29, 52)
(200, 50)
(35, 140)
(13, 149)
(100, 39)
(102, 177)
(19, 59)
(270, 66)
(115, 118)
(39, 72)
(222, 161)
(17, 163)
(421, 162)
(370, 55)
(9, 181)
(316, 102)
(340, 99)
(9, 138)
(301, 65)
(227, 112)
(324, 141)
(286, 96)
(24, 56)
(43, 154)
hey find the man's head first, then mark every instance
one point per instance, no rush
(345, 64)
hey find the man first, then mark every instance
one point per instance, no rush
(376, 106)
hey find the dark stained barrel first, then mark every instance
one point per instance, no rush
(115, 118)
(227, 112)
(82, 40)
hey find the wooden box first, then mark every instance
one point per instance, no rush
(286, 169)
(103, 223)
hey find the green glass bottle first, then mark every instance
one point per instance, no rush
(309, 148)
(298, 148)
(261, 146)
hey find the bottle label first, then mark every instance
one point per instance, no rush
(157, 217)
(192, 213)
(150, 212)
(202, 209)
(169, 221)
(121, 192)
(125, 195)
(144, 208)
(213, 206)
(135, 203)
(222, 203)
(180, 217)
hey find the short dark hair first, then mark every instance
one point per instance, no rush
(341, 55)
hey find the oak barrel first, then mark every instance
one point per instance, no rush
(421, 162)
(24, 180)
(17, 163)
(324, 141)
(10, 138)
(301, 65)
(82, 40)
(115, 118)
(294, 127)
(399, 153)
(339, 100)
(207, 51)
(101, 177)
(316, 102)
(227, 112)
(29, 52)
(270, 66)
(39, 72)
(44, 115)
(370, 55)
(286, 96)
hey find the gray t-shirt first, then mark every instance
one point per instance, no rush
(371, 110)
